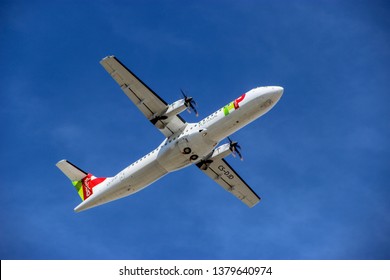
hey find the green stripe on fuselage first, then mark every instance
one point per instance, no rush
(228, 108)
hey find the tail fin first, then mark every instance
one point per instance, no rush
(83, 182)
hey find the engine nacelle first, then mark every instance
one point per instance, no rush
(172, 110)
(175, 108)
(218, 153)
(221, 152)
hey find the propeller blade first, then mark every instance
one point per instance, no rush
(235, 148)
(184, 94)
(193, 108)
(190, 103)
(240, 155)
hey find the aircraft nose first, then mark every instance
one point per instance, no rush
(277, 92)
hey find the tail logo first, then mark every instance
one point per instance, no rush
(86, 185)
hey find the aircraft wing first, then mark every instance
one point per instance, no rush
(149, 103)
(222, 173)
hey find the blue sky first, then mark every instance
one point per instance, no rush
(319, 159)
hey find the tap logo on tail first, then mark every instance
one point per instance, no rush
(85, 186)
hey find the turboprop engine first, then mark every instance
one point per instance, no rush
(161, 119)
(219, 153)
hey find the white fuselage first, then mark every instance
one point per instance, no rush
(188, 146)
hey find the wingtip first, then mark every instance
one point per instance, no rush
(107, 57)
(61, 161)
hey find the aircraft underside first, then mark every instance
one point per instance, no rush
(185, 143)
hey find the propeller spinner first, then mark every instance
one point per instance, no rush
(190, 103)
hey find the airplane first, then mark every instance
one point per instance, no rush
(185, 143)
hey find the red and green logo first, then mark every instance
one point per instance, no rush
(86, 185)
(233, 105)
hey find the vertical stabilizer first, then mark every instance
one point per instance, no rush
(83, 182)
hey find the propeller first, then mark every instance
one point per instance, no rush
(190, 103)
(235, 148)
